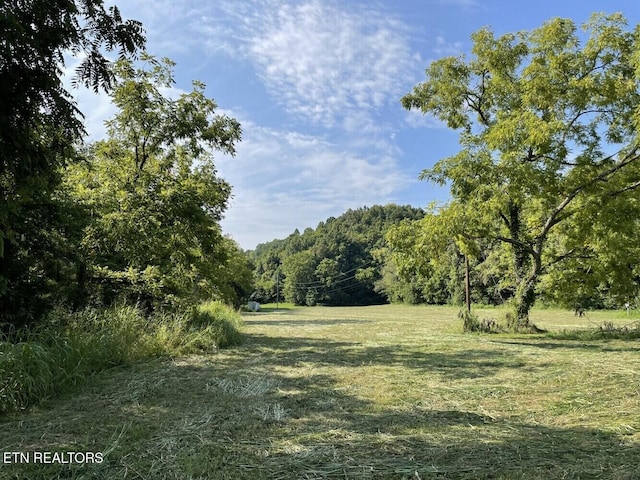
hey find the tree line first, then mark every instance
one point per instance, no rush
(384, 254)
(334, 264)
(133, 218)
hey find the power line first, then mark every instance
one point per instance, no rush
(320, 283)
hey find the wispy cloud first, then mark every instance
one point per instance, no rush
(445, 48)
(460, 3)
(283, 180)
(329, 64)
(417, 119)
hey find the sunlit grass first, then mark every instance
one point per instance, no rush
(361, 392)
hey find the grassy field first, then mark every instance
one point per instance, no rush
(355, 393)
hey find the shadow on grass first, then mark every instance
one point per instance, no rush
(330, 432)
(271, 310)
(242, 416)
(304, 323)
(594, 345)
(459, 364)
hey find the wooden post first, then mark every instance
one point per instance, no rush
(278, 289)
(467, 284)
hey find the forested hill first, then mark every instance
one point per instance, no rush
(335, 264)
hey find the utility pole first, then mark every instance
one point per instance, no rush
(278, 288)
(467, 283)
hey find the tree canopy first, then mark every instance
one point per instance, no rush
(549, 143)
(153, 197)
(40, 126)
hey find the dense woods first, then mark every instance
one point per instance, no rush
(338, 263)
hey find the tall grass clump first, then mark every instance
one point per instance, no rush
(35, 369)
(222, 322)
(68, 347)
(605, 331)
(472, 324)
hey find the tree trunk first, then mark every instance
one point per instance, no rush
(525, 295)
(526, 274)
(520, 254)
(524, 298)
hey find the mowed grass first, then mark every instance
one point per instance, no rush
(362, 392)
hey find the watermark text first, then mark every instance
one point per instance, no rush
(52, 457)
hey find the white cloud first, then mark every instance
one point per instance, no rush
(284, 180)
(328, 64)
(321, 60)
(444, 48)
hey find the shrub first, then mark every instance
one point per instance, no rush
(471, 323)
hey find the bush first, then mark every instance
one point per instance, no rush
(471, 323)
(68, 347)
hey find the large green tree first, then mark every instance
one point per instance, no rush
(40, 127)
(548, 134)
(153, 196)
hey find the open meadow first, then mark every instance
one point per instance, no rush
(353, 393)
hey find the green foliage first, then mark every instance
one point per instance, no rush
(38, 363)
(39, 129)
(335, 264)
(549, 150)
(153, 198)
(424, 263)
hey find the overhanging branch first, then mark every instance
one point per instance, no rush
(554, 218)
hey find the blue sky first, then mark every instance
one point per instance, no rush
(316, 85)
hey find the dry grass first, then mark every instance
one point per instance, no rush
(362, 392)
